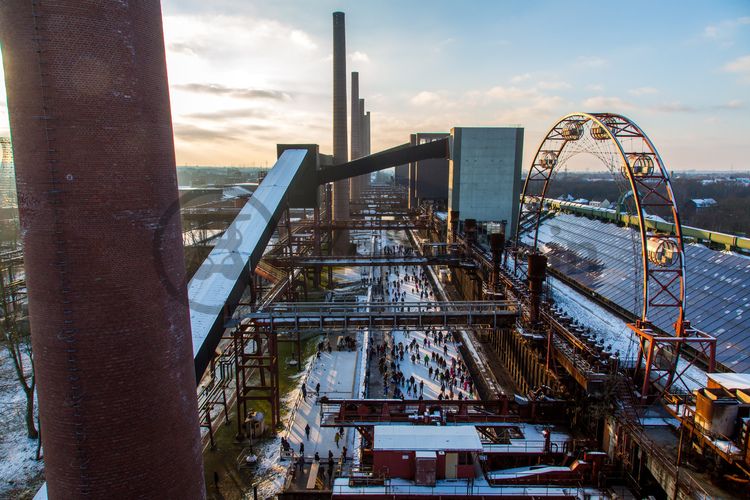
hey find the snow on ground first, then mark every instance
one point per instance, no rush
(411, 293)
(17, 452)
(420, 371)
(335, 372)
(613, 329)
(609, 326)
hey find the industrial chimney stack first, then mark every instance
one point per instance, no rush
(340, 147)
(356, 135)
(92, 135)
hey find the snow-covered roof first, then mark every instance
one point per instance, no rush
(426, 438)
(704, 202)
(235, 192)
(245, 239)
(731, 380)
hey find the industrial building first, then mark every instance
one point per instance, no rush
(455, 333)
(430, 177)
(486, 166)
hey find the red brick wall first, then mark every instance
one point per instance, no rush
(92, 135)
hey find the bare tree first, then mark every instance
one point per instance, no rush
(15, 336)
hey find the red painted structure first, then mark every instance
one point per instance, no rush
(90, 117)
(403, 464)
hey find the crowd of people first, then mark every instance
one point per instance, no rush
(428, 348)
(414, 364)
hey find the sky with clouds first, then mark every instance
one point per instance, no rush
(247, 74)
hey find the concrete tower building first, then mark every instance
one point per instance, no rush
(484, 176)
(92, 135)
(356, 135)
(431, 176)
(340, 147)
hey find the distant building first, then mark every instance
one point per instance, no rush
(431, 176)
(401, 175)
(484, 181)
(699, 203)
(605, 203)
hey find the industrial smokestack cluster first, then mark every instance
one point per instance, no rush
(92, 135)
(356, 133)
(360, 132)
(351, 189)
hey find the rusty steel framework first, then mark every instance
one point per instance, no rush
(628, 152)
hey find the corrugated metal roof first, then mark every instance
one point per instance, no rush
(606, 259)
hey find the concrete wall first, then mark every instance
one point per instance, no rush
(401, 175)
(431, 176)
(484, 180)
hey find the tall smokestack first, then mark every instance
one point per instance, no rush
(340, 148)
(365, 179)
(362, 142)
(92, 134)
(356, 135)
(366, 134)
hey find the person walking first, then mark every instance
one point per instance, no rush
(317, 389)
(337, 438)
(302, 449)
(317, 457)
(304, 392)
(343, 455)
(307, 430)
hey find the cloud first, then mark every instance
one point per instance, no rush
(595, 87)
(602, 103)
(520, 78)
(554, 85)
(739, 66)
(302, 39)
(358, 56)
(239, 93)
(725, 30)
(511, 93)
(443, 44)
(590, 62)
(184, 48)
(190, 133)
(228, 114)
(675, 107)
(640, 91)
(425, 98)
(732, 105)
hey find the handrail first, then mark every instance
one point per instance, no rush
(729, 241)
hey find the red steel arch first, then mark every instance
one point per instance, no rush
(627, 151)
